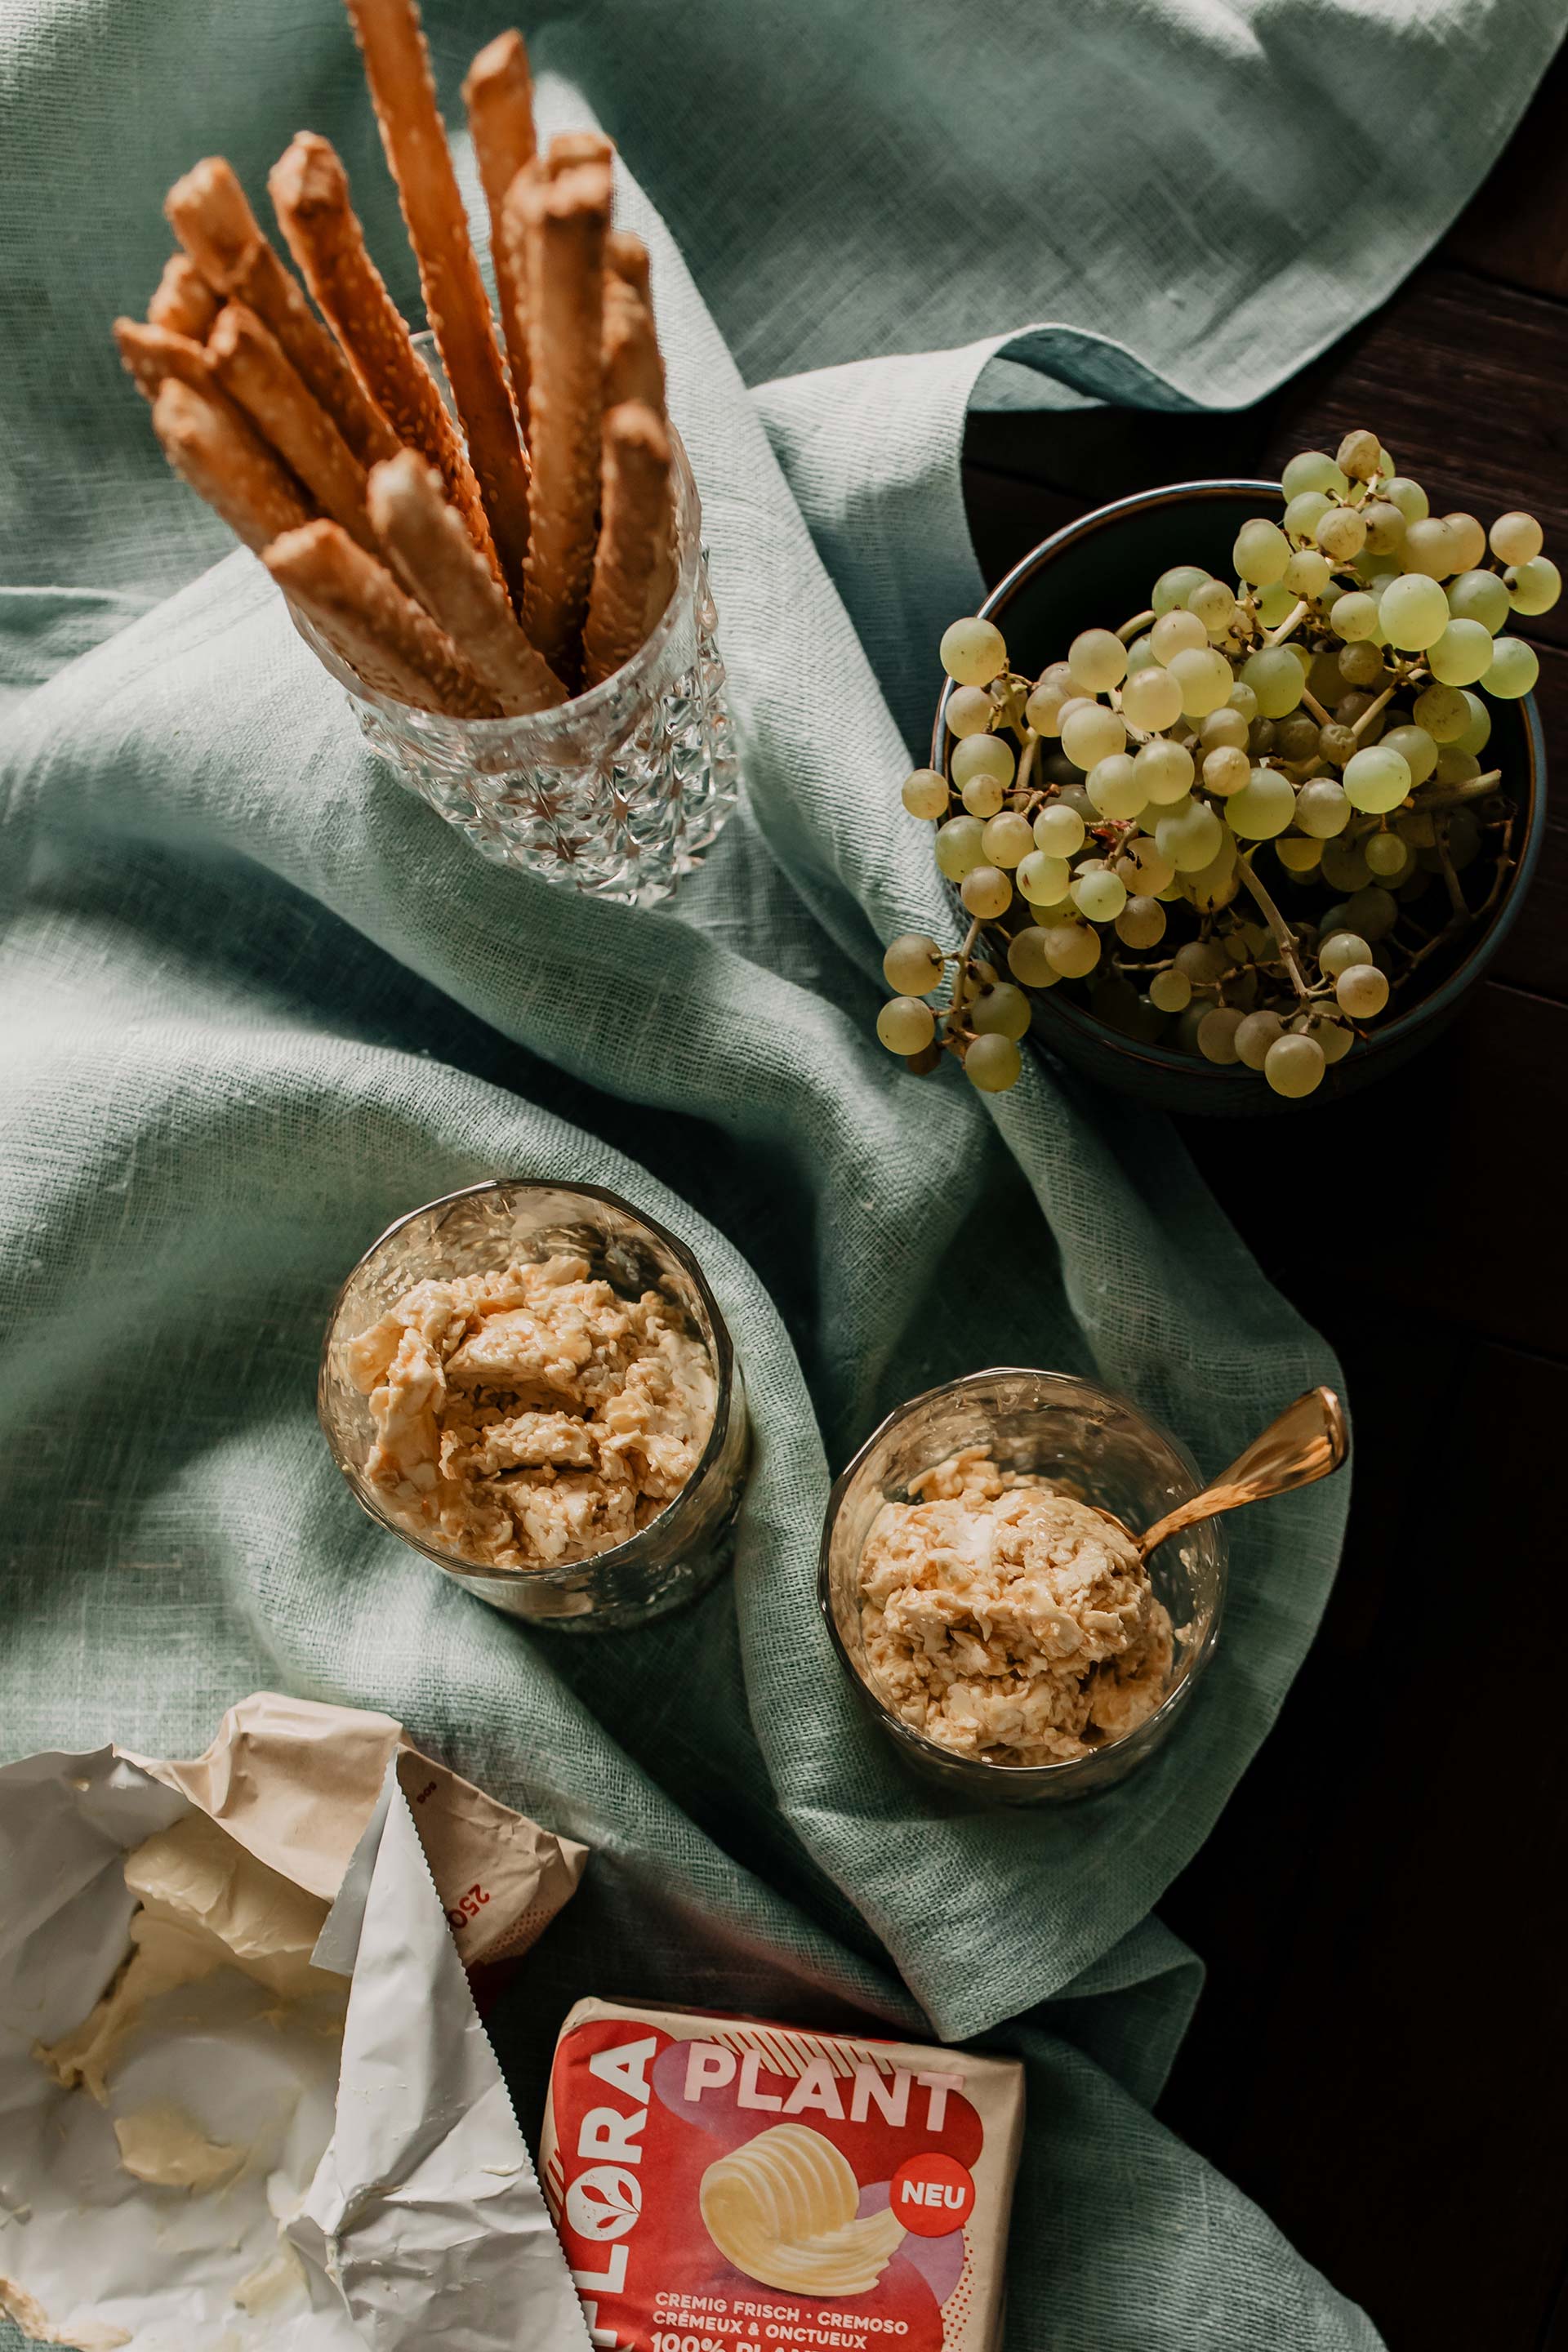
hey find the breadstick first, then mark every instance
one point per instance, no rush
(251, 368)
(627, 256)
(499, 95)
(310, 191)
(153, 354)
(557, 231)
(397, 65)
(570, 148)
(438, 563)
(182, 301)
(632, 537)
(209, 214)
(361, 609)
(228, 464)
(633, 367)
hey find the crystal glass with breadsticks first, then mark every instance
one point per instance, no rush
(490, 537)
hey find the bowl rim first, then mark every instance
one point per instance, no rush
(904, 1737)
(1049, 1006)
(619, 1555)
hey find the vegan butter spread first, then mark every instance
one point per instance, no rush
(756, 2187)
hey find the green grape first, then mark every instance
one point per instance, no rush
(1115, 786)
(1360, 990)
(1152, 699)
(1323, 677)
(1466, 539)
(1045, 705)
(1177, 631)
(912, 964)
(1298, 738)
(1217, 1034)
(982, 755)
(1243, 701)
(1170, 991)
(1058, 830)
(1480, 596)
(1072, 796)
(1141, 655)
(987, 892)
(1533, 587)
(958, 850)
(1098, 660)
(1145, 867)
(1205, 676)
(1027, 960)
(1360, 454)
(1387, 857)
(1456, 765)
(905, 1025)
(1373, 911)
(1336, 743)
(1341, 534)
(1415, 747)
(1098, 894)
(1091, 733)
(1227, 770)
(924, 793)
(1302, 516)
(972, 652)
(1344, 866)
(1376, 780)
(1223, 730)
(1274, 603)
(982, 796)
(1190, 837)
(1416, 829)
(1408, 496)
(1214, 605)
(992, 1064)
(1461, 655)
(970, 710)
(1294, 1065)
(1173, 587)
(1264, 807)
(1430, 550)
(1000, 1011)
(1203, 961)
(1479, 733)
(1385, 465)
(1355, 618)
(1275, 677)
(1166, 771)
(1261, 552)
(1308, 574)
(1140, 923)
(1414, 611)
(1338, 950)
(1384, 527)
(1464, 837)
(1332, 1037)
(1355, 711)
(1516, 538)
(1073, 948)
(1042, 880)
(1007, 839)
(1254, 1035)
(1213, 886)
(1313, 469)
(1443, 711)
(1298, 855)
(1515, 666)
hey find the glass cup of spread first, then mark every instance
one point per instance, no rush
(1091, 1445)
(483, 1230)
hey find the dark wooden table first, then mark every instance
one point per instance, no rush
(1381, 2058)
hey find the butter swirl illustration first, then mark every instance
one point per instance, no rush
(782, 2209)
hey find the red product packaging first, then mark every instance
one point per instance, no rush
(721, 2185)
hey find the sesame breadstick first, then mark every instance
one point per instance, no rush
(438, 562)
(182, 301)
(153, 354)
(632, 537)
(228, 465)
(627, 256)
(209, 214)
(310, 191)
(633, 367)
(570, 148)
(251, 368)
(557, 231)
(381, 632)
(499, 95)
(397, 66)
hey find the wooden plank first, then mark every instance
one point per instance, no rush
(1516, 227)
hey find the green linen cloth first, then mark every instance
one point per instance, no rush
(257, 1001)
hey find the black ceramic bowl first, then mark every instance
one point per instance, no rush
(1092, 575)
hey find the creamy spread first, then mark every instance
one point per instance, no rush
(530, 1416)
(1006, 1619)
(164, 2146)
(783, 2209)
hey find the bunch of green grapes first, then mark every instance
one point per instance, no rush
(1131, 820)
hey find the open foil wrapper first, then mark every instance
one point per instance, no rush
(245, 2093)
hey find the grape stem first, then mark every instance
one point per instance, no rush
(955, 1009)
(1130, 629)
(1284, 938)
(1451, 882)
(1323, 717)
(1288, 626)
(1370, 713)
(1474, 788)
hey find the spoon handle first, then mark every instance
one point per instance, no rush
(1306, 1442)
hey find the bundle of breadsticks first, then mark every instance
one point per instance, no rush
(485, 562)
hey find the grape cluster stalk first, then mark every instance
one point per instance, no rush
(1229, 820)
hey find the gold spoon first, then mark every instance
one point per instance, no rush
(1306, 1442)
